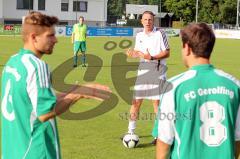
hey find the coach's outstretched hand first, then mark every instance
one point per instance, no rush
(132, 53)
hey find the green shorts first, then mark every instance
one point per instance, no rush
(79, 46)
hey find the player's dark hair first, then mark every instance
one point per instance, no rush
(81, 17)
(200, 38)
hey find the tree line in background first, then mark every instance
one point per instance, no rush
(116, 8)
(209, 11)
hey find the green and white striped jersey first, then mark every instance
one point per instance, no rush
(200, 116)
(27, 94)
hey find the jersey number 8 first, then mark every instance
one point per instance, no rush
(212, 132)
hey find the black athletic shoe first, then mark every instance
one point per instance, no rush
(154, 142)
(74, 65)
(84, 65)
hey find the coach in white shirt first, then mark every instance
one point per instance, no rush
(152, 48)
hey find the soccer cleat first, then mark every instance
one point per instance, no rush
(154, 142)
(84, 65)
(74, 65)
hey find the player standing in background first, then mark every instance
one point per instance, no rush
(79, 35)
(29, 105)
(152, 47)
(205, 103)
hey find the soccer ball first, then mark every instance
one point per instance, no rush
(130, 140)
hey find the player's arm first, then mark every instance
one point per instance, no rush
(86, 32)
(237, 149)
(64, 101)
(159, 56)
(162, 55)
(162, 150)
(73, 34)
(165, 126)
(164, 45)
(61, 106)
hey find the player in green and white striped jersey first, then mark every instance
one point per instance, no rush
(200, 117)
(29, 105)
(27, 94)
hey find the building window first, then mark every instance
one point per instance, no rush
(25, 4)
(41, 4)
(64, 5)
(63, 23)
(80, 6)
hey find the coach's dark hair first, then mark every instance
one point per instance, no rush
(36, 22)
(200, 38)
(148, 12)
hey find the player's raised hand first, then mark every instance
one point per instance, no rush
(65, 100)
(93, 91)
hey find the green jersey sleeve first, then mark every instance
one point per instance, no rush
(43, 95)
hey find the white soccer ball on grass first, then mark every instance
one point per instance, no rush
(130, 140)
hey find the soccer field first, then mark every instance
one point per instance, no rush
(92, 130)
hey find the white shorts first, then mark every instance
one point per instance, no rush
(150, 80)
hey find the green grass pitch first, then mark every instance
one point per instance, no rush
(99, 137)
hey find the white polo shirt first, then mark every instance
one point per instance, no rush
(155, 42)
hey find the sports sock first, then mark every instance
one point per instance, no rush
(131, 126)
(83, 58)
(75, 59)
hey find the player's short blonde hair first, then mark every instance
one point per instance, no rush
(36, 22)
(81, 17)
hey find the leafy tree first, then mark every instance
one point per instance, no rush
(228, 12)
(120, 7)
(153, 2)
(157, 2)
(221, 11)
(182, 9)
(209, 11)
(111, 7)
(138, 1)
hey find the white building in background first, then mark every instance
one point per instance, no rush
(139, 9)
(1, 11)
(68, 11)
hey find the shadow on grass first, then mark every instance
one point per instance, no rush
(147, 144)
(145, 136)
(144, 145)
